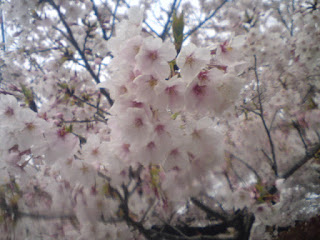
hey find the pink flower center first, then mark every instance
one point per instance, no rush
(62, 133)
(9, 112)
(95, 151)
(138, 122)
(151, 145)
(136, 104)
(174, 153)
(199, 90)
(171, 90)
(159, 129)
(153, 55)
(153, 82)
(30, 126)
(189, 60)
(203, 76)
(122, 90)
(126, 147)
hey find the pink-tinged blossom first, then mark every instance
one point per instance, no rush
(56, 144)
(8, 139)
(94, 150)
(8, 110)
(132, 126)
(31, 131)
(122, 86)
(313, 119)
(154, 57)
(228, 88)
(171, 94)
(191, 60)
(204, 144)
(242, 198)
(176, 159)
(146, 84)
(130, 102)
(201, 98)
(126, 29)
(151, 153)
(131, 49)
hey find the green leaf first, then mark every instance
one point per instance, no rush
(177, 27)
(27, 93)
(29, 99)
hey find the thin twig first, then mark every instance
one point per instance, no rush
(188, 34)
(312, 153)
(147, 211)
(208, 210)
(284, 21)
(267, 156)
(273, 119)
(3, 31)
(274, 161)
(229, 182)
(296, 125)
(247, 166)
(166, 26)
(95, 9)
(144, 21)
(114, 19)
(45, 216)
(72, 40)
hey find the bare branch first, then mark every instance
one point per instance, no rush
(274, 161)
(273, 119)
(247, 166)
(250, 110)
(72, 40)
(267, 156)
(296, 125)
(285, 22)
(188, 34)
(114, 19)
(95, 9)
(166, 26)
(144, 21)
(147, 211)
(229, 182)
(208, 211)
(3, 31)
(46, 216)
(310, 155)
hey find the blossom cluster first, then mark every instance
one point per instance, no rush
(104, 134)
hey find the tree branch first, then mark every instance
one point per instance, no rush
(274, 161)
(166, 26)
(188, 34)
(208, 210)
(311, 154)
(3, 31)
(72, 40)
(95, 9)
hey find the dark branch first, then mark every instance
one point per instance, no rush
(72, 40)
(166, 26)
(114, 19)
(188, 34)
(3, 31)
(95, 9)
(208, 210)
(247, 166)
(274, 161)
(311, 154)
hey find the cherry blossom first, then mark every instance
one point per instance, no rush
(153, 57)
(191, 60)
(113, 129)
